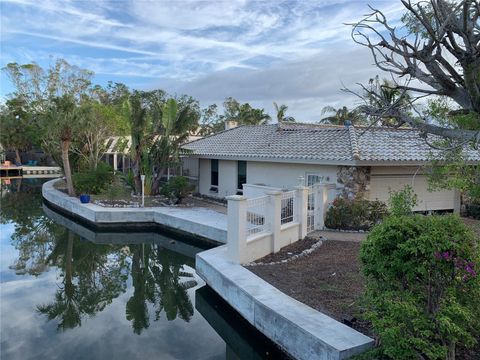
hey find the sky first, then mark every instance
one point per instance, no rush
(297, 53)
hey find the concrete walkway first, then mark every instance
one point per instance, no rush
(201, 222)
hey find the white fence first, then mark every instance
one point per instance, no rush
(263, 225)
(256, 216)
(288, 212)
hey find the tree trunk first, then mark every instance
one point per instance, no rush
(451, 351)
(69, 287)
(156, 181)
(66, 166)
(136, 170)
(18, 159)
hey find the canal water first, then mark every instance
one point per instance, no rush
(70, 292)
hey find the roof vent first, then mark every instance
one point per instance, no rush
(347, 123)
(230, 124)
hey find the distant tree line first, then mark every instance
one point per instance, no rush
(60, 110)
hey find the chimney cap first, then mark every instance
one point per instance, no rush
(230, 124)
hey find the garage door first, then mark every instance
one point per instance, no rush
(380, 186)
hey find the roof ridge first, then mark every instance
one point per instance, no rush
(352, 134)
(215, 134)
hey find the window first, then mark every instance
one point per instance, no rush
(241, 174)
(214, 175)
(314, 178)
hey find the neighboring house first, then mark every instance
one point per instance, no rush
(372, 161)
(117, 154)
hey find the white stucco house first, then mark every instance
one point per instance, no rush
(356, 159)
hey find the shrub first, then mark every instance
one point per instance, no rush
(177, 188)
(423, 287)
(93, 181)
(129, 179)
(403, 201)
(356, 214)
(473, 210)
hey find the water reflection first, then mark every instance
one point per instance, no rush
(159, 279)
(92, 275)
(33, 231)
(72, 292)
(242, 339)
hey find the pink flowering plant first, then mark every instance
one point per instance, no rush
(423, 286)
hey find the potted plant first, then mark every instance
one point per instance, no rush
(84, 198)
(83, 186)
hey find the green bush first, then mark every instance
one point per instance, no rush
(129, 179)
(423, 287)
(403, 201)
(177, 188)
(473, 210)
(93, 181)
(356, 214)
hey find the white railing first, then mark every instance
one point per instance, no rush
(262, 225)
(288, 213)
(256, 216)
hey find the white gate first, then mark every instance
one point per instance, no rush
(319, 197)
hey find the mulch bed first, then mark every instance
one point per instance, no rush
(328, 280)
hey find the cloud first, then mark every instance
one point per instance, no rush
(297, 52)
(305, 86)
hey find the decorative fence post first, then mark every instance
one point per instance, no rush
(321, 205)
(275, 217)
(301, 210)
(236, 229)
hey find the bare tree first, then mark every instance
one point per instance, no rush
(438, 49)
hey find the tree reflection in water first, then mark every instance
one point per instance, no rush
(159, 278)
(21, 205)
(93, 275)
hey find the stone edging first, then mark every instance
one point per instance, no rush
(304, 253)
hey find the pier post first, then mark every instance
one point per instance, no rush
(301, 210)
(236, 228)
(274, 217)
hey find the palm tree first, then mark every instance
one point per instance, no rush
(339, 116)
(243, 114)
(281, 110)
(61, 124)
(138, 121)
(175, 126)
(385, 94)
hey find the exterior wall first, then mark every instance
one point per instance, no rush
(384, 179)
(378, 180)
(285, 175)
(190, 167)
(204, 177)
(227, 178)
(280, 175)
(355, 181)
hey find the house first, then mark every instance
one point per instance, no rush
(117, 154)
(371, 161)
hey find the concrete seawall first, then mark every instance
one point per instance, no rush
(300, 330)
(196, 222)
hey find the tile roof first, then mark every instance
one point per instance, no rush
(317, 143)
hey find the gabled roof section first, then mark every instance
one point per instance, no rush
(318, 144)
